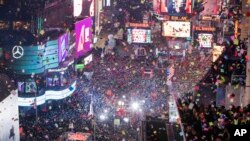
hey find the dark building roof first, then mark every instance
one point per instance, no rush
(14, 37)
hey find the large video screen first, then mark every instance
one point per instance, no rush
(176, 29)
(63, 46)
(33, 59)
(211, 7)
(205, 40)
(83, 8)
(176, 7)
(139, 36)
(84, 36)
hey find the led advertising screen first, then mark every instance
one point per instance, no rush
(211, 7)
(83, 8)
(205, 40)
(139, 36)
(33, 59)
(176, 29)
(63, 46)
(157, 6)
(176, 7)
(84, 36)
(48, 95)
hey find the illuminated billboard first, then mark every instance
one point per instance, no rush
(176, 29)
(63, 46)
(33, 59)
(84, 36)
(211, 7)
(205, 40)
(84, 8)
(176, 7)
(49, 95)
(139, 36)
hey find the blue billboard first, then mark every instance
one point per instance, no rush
(33, 59)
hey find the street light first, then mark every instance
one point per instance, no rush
(103, 117)
(126, 119)
(135, 105)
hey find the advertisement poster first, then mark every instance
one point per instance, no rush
(63, 46)
(84, 36)
(176, 7)
(176, 29)
(205, 40)
(139, 36)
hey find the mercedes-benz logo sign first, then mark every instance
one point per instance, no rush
(17, 52)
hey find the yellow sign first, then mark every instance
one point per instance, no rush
(236, 29)
(177, 18)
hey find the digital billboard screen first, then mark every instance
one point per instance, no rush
(176, 29)
(83, 8)
(33, 59)
(139, 36)
(63, 46)
(84, 36)
(205, 40)
(176, 7)
(211, 7)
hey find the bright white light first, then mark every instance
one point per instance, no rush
(135, 106)
(120, 103)
(126, 119)
(102, 117)
(123, 96)
(105, 111)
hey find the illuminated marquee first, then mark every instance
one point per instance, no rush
(144, 25)
(202, 28)
(139, 36)
(178, 18)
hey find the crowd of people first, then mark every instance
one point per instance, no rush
(96, 104)
(211, 122)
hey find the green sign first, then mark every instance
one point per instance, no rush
(80, 66)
